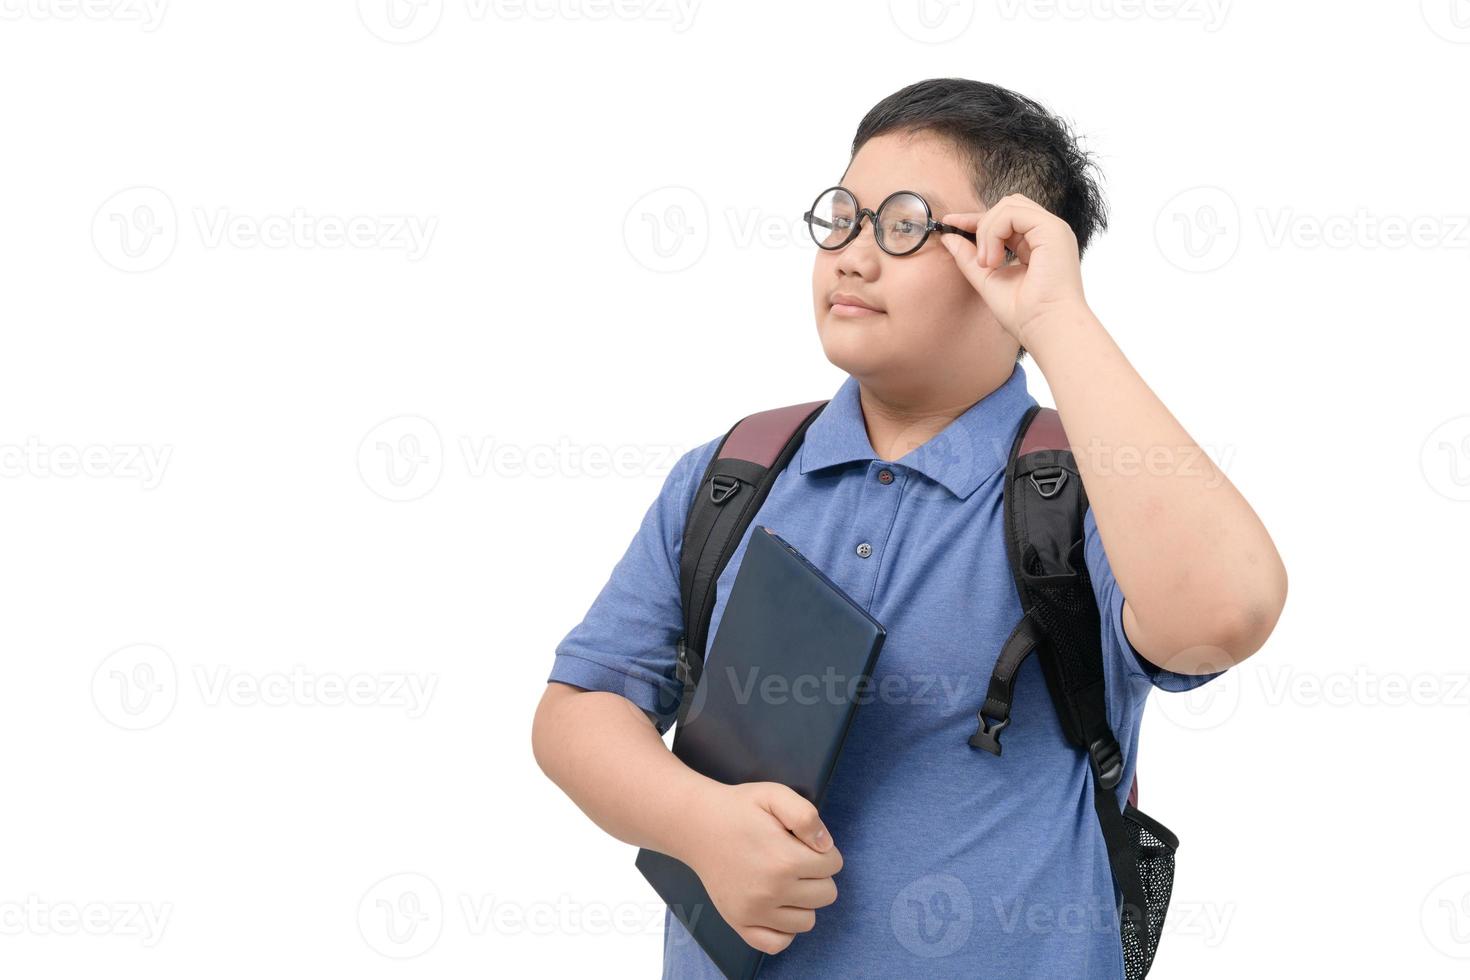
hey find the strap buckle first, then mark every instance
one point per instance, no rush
(682, 668)
(1107, 761)
(987, 736)
(1049, 481)
(720, 492)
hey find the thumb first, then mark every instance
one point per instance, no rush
(797, 815)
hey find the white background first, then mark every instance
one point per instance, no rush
(260, 480)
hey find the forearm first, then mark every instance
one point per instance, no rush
(603, 752)
(1199, 570)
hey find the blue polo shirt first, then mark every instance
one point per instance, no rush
(956, 862)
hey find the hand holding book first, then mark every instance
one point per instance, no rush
(766, 860)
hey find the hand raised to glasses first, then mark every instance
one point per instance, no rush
(1042, 283)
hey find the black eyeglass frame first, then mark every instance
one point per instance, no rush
(930, 225)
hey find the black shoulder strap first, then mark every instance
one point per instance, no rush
(735, 484)
(1044, 507)
(1045, 504)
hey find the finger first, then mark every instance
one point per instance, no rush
(986, 231)
(967, 258)
(811, 893)
(968, 220)
(797, 815)
(1008, 225)
(766, 940)
(819, 864)
(786, 918)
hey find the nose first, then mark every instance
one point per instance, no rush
(859, 257)
(866, 217)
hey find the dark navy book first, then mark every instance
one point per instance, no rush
(767, 709)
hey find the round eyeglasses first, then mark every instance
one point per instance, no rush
(901, 225)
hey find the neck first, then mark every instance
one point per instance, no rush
(903, 414)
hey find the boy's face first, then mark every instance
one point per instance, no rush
(932, 322)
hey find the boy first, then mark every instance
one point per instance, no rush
(952, 863)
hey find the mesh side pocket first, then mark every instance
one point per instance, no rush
(1153, 846)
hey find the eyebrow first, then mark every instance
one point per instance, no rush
(935, 204)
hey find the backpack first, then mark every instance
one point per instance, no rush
(1044, 504)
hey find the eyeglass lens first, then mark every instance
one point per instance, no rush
(900, 227)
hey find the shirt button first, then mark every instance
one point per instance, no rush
(864, 550)
(885, 476)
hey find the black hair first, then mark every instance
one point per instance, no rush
(1012, 144)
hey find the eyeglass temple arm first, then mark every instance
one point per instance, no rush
(940, 226)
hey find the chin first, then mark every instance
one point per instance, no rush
(847, 349)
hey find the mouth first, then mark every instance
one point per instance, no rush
(845, 304)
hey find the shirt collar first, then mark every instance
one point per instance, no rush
(966, 452)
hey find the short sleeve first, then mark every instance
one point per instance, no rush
(625, 642)
(1115, 641)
